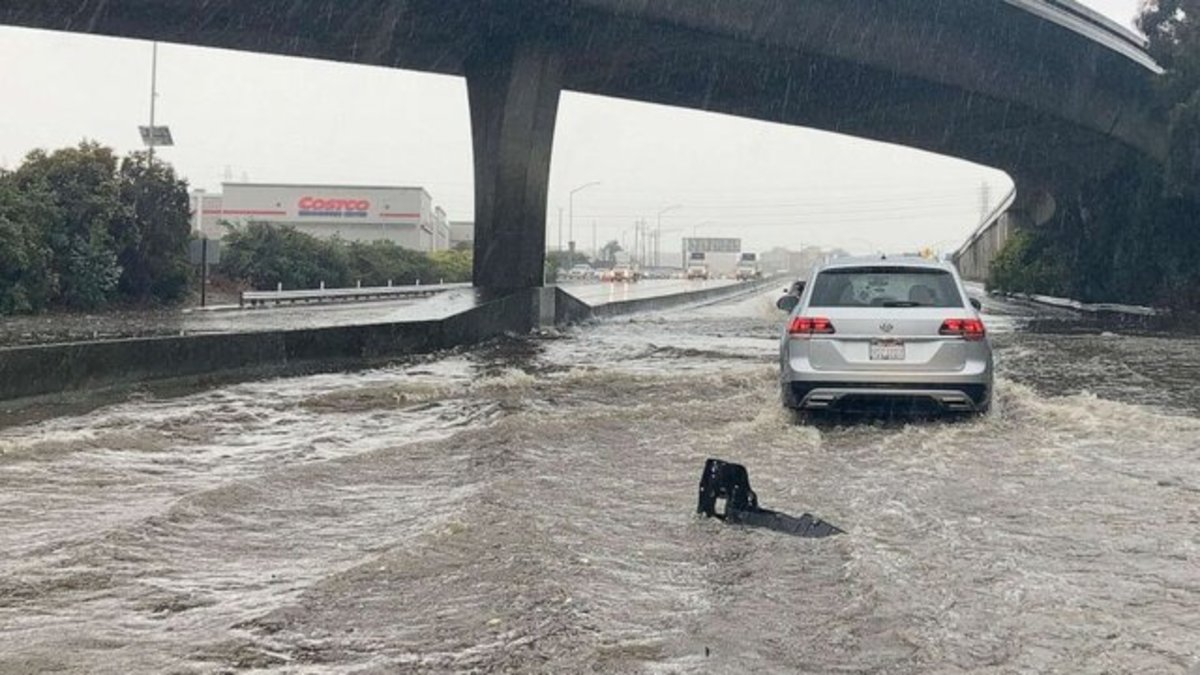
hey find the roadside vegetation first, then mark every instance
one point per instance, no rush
(263, 255)
(81, 228)
(1133, 236)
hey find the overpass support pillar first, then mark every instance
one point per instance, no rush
(514, 91)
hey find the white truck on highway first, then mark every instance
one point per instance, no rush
(748, 267)
(697, 266)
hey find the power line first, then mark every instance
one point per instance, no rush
(745, 214)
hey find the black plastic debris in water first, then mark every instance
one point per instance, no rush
(730, 483)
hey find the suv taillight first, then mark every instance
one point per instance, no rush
(804, 325)
(970, 329)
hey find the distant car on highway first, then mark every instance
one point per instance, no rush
(581, 271)
(884, 335)
(621, 274)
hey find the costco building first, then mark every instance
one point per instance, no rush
(403, 215)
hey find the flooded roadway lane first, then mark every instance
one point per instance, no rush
(527, 506)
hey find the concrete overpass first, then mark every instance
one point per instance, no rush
(1044, 89)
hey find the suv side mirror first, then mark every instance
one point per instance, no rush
(788, 302)
(977, 304)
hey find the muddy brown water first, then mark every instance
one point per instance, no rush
(528, 506)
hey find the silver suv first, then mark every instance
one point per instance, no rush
(884, 334)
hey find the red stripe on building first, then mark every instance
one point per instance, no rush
(251, 212)
(399, 215)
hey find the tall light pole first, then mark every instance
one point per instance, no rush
(154, 136)
(658, 230)
(571, 214)
(153, 95)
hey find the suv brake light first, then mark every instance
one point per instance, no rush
(804, 325)
(970, 329)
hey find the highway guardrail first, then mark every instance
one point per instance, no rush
(279, 297)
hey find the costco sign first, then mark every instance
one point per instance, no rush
(334, 208)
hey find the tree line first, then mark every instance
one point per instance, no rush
(1134, 234)
(264, 255)
(81, 228)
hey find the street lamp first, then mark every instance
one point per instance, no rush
(700, 225)
(571, 216)
(155, 135)
(658, 230)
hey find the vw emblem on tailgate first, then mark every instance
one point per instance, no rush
(886, 327)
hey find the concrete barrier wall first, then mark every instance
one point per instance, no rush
(569, 309)
(975, 259)
(668, 301)
(52, 369)
(30, 371)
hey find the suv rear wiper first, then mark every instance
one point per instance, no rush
(902, 303)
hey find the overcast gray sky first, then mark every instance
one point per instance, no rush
(275, 119)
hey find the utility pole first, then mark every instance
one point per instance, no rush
(560, 211)
(635, 254)
(641, 242)
(637, 242)
(633, 250)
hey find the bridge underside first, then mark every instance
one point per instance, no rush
(977, 79)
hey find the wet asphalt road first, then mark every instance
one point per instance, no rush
(56, 328)
(527, 506)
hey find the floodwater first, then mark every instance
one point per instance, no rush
(528, 506)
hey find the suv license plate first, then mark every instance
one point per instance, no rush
(887, 350)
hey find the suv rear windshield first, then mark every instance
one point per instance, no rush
(885, 287)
